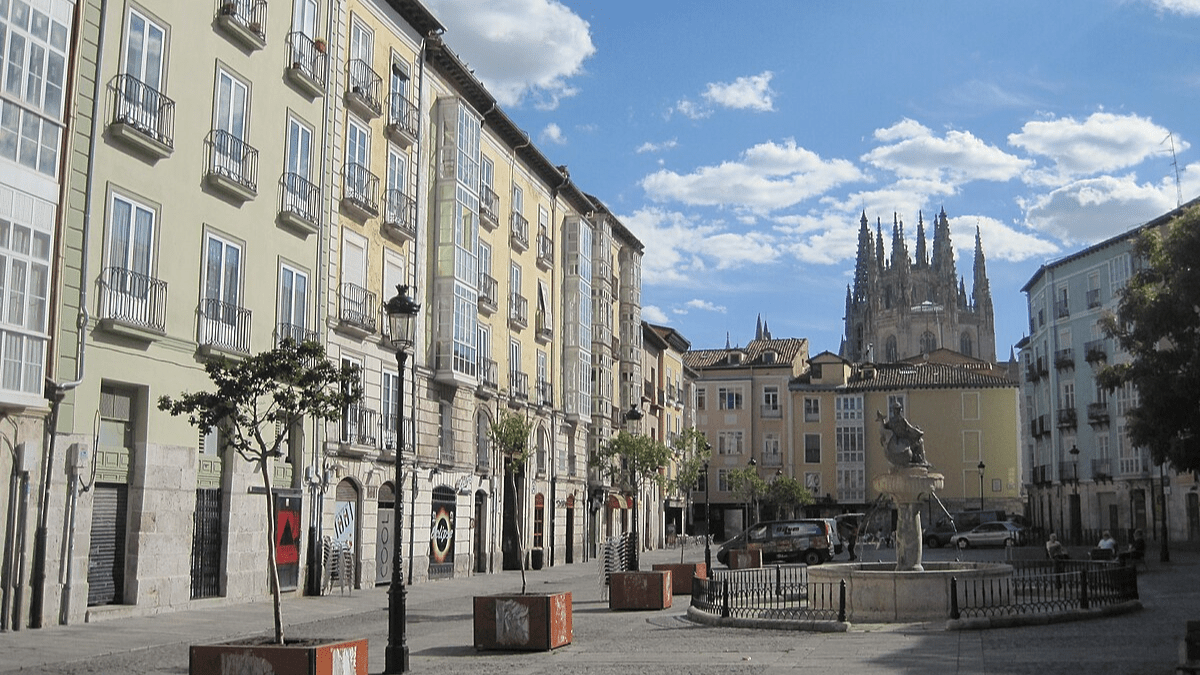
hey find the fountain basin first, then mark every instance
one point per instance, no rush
(878, 593)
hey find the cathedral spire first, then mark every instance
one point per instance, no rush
(981, 292)
(943, 249)
(758, 330)
(866, 259)
(922, 254)
(879, 245)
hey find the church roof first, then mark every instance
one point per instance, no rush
(785, 349)
(920, 375)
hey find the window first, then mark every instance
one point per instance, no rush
(389, 395)
(24, 290)
(723, 480)
(354, 260)
(894, 400)
(891, 354)
(304, 18)
(298, 195)
(1066, 397)
(730, 442)
(130, 254)
(398, 83)
(394, 199)
(229, 127)
(28, 139)
(351, 414)
(730, 398)
(701, 398)
(851, 484)
(1118, 272)
(771, 454)
(812, 448)
(848, 408)
(222, 275)
(362, 49)
(34, 58)
(850, 446)
(965, 344)
(141, 91)
(812, 409)
(771, 398)
(358, 161)
(928, 342)
(293, 303)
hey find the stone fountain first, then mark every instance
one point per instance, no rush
(908, 590)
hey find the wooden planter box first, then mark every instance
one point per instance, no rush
(534, 621)
(745, 559)
(640, 590)
(681, 575)
(301, 657)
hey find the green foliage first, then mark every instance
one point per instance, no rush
(691, 452)
(511, 435)
(1158, 324)
(629, 459)
(746, 484)
(787, 495)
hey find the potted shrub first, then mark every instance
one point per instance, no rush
(255, 402)
(524, 621)
(319, 45)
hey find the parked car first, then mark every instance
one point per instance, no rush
(998, 533)
(944, 528)
(792, 540)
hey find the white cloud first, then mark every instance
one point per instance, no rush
(653, 314)
(751, 92)
(1103, 142)
(1000, 241)
(656, 147)
(690, 110)
(1183, 7)
(766, 177)
(956, 157)
(1091, 210)
(519, 49)
(704, 305)
(553, 134)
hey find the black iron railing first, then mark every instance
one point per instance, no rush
(224, 326)
(233, 158)
(400, 212)
(361, 187)
(402, 115)
(771, 592)
(305, 56)
(134, 299)
(1044, 586)
(300, 197)
(487, 290)
(358, 306)
(365, 83)
(489, 204)
(138, 106)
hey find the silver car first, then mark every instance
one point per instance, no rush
(997, 533)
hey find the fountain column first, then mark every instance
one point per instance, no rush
(908, 486)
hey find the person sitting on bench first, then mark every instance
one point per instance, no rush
(1106, 549)
(1136, 550)
(1054, 548)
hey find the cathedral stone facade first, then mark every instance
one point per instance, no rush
(902, 306)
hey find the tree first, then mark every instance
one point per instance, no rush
(257, 402)
(748, 486)
(628, 460)
(1158, 324)
(787, 495)
(511, 434)
(691, 452)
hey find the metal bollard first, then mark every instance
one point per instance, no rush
(1083, 589)
(842, 600)
(954, 598)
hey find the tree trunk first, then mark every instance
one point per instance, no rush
(512, 486)
(272, 565)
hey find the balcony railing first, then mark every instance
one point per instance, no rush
(364, 87)
(520, 232)
(1097, 413)
(489, 207)
(360, 426)
(224, 326)
(297, 334)
(1102, 469)
(1064, 358)
(360, 190)
(545, 392)
(544, 331)
(358, 306)
(403, 121)
(1066, 418)
(1041, 474)
(1093, 298)
(1062, 309)
(488, 374)
(245, 20)
(1068, 472)
(518, 311)
(1095, 351)
(232, 159)
(400, 214)
(772, 410)
(487, 293)
(133, 299)
(299, 199)
(145, 111)
(518, 384)
(1031, 373)
(545, 251)
(308, 62)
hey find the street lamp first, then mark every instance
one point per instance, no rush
(707, 516)
(632, 417)
(401, 314)
(1076, 514)
(981, 467)
(753, 464)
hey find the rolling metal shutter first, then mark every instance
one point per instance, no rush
(106, 556)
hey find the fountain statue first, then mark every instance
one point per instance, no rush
(908, 483)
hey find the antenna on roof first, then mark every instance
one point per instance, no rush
(1175, 163)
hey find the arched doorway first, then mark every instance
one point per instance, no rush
(385, 533)
(344, 563)
(480, 543)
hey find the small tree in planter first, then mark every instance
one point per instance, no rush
(628, 460)
(749, 487)
(786, 495)
(691, 452)
(528, 620)
(257, 401)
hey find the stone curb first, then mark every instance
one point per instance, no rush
(984, 623)
(812, 626)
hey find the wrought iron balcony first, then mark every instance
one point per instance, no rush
(133, 300)
(403, 123)
(488, 374)
(520, 232)
(772, 410)
(544, 331)
(518, 384)
(360, 191)
(245, 21)
(299, 202)
(307, 63)
(1097, 413)
(489, 206)
(364, 85)
(1102, 469)
(232, 164)
(545, 251)
(545, 392)
(1064, 358)
(357, 308)
(1093, 298)
(518, 311)
(1095, 351)
(224, 326)
(1062, 309)
(487, 293)
(1066, 418)
(399, 215)
(360, 426)
(142, 116)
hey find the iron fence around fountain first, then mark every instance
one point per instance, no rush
(1043, 587)
(769, 592)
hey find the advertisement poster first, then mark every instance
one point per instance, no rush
(287, 540)
(441, 534)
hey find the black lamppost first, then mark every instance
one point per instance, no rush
(753, 464)
(1074, 469)
(1076, 512)
(632, 417)
(707, 517)
(401, 314)
(981, 467)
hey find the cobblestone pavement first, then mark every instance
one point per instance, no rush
(663, 642)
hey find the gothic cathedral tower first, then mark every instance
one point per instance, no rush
(901, 307)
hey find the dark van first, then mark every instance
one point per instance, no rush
(791, 540)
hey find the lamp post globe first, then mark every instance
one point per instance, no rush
(401, 315)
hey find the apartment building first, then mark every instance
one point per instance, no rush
(35, 110)
(667, 387)
(741, 407)
(242, 172)
(1084, 475)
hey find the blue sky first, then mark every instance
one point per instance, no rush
(741, 141)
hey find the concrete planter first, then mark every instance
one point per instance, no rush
(640, 590)
(533, 622)
(745, 559)
(302, 657)
(681, 575)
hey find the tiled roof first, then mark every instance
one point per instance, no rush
(892, 376)
(786, 350)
